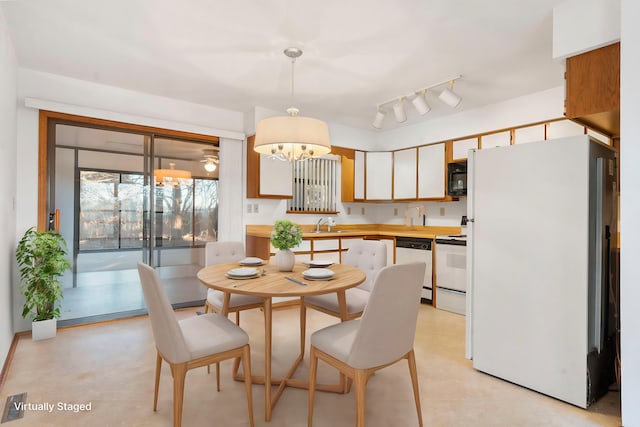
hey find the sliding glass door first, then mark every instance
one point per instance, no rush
(126, 197)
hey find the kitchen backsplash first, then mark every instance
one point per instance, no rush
(266, 211)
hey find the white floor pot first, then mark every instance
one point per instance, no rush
(44, 329)
(285, 260)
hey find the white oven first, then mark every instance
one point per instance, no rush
(451, 273)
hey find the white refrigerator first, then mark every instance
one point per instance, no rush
(542, 281)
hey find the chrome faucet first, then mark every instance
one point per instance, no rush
(319, 223)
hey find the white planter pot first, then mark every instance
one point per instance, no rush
(285, 260)
(43, 329)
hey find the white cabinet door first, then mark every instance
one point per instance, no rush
(358, 176)
(431, 171)
(276, 177)
(378, 175)
(500, 139)
(529, 134)
(564, 128)
(404, 174)
(462, 146)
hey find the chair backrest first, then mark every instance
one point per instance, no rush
(369, 256)
(388, 325)
(166, 331)
(223, 252)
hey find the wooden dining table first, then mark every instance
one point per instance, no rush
(273, 283)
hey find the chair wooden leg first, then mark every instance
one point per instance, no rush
(360, 391)
(206, 307)
(313, 371)
(303, 326)
(179, 372)
(246, 367)
(217, 375)
(414, 381)
(349, 383)
(157, 386)
(238, 318)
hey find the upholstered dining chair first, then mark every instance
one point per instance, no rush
(369, 256)
(383, 336)
(190, 343)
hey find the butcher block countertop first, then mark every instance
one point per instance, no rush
(359, 230)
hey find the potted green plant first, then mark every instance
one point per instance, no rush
(42, 259)
(284, 236)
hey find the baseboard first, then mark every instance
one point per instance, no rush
(10, 353)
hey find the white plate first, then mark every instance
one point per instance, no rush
(242, 277)
(243, 272)
(251, 261)
(318, 274)
(319, 263)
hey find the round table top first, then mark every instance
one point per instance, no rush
(274, 284)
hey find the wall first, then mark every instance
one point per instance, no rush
(630, 212)
(7, 185)
(582, 25)
(43, 90)
(535, 107)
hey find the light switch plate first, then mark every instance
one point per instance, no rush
(255, 208)
(348, 210)
(249, 208)
(441, 211)
(361, 211)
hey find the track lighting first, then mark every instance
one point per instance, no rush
(449, 97)
(377, 122)
(398, 111)
(419, 101)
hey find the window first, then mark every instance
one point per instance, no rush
(314, 185)
(111, 211)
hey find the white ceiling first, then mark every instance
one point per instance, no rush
(357, 53)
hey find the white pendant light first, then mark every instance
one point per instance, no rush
(377, 122)
(398, 111)
(292, 137)
(421, 103)
(449, 97)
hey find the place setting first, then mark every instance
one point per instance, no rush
(251, 261)
(318, 274)
(244, 273)
(318, 263)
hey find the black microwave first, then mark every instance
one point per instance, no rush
(457, 179)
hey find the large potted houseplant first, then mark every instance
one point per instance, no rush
(284, 236)
(42, 259)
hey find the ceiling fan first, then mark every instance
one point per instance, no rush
(210, 160)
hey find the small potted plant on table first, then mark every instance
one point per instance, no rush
(42, 259)
(284, 236)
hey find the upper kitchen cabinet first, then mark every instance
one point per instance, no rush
(431, 173)
(378, 175)
(462, 146)
(593, 89)
(358, 175)
(564, 128)
(267, 178)
(405, 171)
(529, 134)
(498, 139)
(347, 166)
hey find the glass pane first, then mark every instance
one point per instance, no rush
(174, 212)
(130, 195)
(206, 210)
(98, 210)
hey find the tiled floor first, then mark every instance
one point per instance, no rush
(111, 366)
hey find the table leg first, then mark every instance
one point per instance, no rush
(267, 359)
(342, 305)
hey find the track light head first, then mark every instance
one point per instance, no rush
(420, 103)
(398, 111)
(449, 97)
(377, 121)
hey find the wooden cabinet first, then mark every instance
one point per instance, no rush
(358, 175)
(462, 146)
(405, 171)
(431, 171)
(593, 89)
(378, 175)
(347, 163)
(267, 178)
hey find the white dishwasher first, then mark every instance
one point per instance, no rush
(415, 249)
(451, 273)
